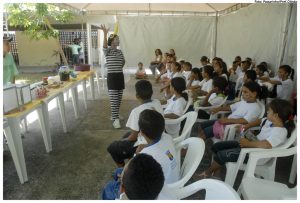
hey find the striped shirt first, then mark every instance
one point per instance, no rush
(114, 60)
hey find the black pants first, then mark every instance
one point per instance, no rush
(121, 150)
(226, 151)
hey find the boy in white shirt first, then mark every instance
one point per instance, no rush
(160, 146)
(125, 148)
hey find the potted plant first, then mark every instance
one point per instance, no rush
(64, 73)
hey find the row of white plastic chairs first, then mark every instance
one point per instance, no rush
(194, 156)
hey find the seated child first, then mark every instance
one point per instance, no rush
(284, 82)
(273, 132)
(140, 73)
(206, 83)
(159, 145)
(233, 76)
(125, 148)
(242, 112)
(187, 67)
(176, 104)
(176, 72)
(195, 78)
(215, 97)
(142, 179)
(250, 75)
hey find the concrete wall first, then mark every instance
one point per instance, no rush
(35, 54)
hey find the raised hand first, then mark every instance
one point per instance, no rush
(105, 30)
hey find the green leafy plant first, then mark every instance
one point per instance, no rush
(36, 18)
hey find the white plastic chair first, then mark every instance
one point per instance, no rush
(260, 189)
(195, 150)
(191, 118)
(293, 172)
(266, 170)
(214, 190)
(207, 108)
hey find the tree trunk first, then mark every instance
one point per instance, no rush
(61, 52)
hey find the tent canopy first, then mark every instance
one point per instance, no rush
(152, 7)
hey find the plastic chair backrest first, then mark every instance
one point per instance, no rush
(214, 190)
(188, 104)
(191, 118)
(274, 153)
(291, 140)
(193, 157)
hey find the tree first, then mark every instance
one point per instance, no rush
(36, 18)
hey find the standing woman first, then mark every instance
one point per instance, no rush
(115, 78)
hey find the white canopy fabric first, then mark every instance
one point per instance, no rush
(151, 7)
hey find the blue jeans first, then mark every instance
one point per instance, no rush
(226, 151)
(111, 190)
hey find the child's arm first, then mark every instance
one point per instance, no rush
(133, 136)
(245, 143)
(221, 108)
(165, 87)
(252, 124)
(233, 121)
(171, 116)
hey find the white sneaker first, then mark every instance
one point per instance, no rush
(117, 124)
(121, 118)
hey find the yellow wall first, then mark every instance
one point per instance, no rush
(36, 53)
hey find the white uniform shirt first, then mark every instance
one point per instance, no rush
(284, 91)
(178, 75)
(216, 99)
(274, 135)
(133, 119)
(238, 70)
(186, 75)
(206, 85)
(175, 106)
(164, 153)
(195, 83)
(248, 111)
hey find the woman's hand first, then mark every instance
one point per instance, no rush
(244, 142)
(105, 30)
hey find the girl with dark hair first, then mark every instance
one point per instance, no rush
(176, 72)
(204, 61)
(243, 112)
(176, 104)
(274, 129)
(206, 83)
(115, 78)
(187, 70)
(195, 79)
(220, 69)
(157, 63)
(261, 71)
(284, 82)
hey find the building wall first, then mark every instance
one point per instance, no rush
(35, 54)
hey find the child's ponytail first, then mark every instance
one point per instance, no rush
(179, 86)
(284, 110)
(289, 70)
